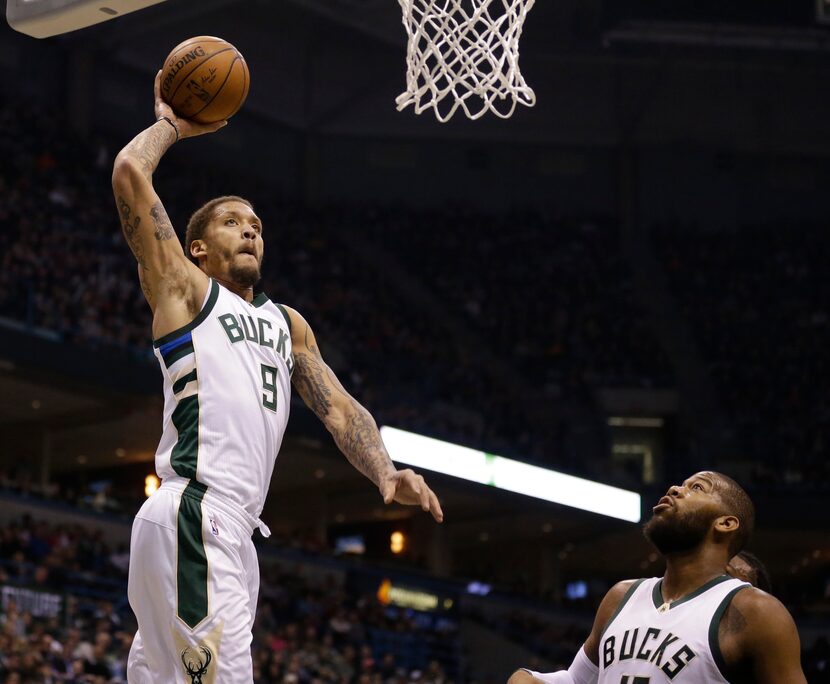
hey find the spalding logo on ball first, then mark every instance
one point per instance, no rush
(205, 79)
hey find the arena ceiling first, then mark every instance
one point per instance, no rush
(602, 72)
(333, 65)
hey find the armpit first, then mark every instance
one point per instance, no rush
(175, 283)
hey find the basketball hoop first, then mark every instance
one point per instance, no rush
(464, 53)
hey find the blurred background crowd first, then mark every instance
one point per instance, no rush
(575, 326)
(627, 282)
(314, 624)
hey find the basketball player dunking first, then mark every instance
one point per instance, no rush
(694, 625)
(227, 360)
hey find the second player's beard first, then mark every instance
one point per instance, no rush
(678, 533)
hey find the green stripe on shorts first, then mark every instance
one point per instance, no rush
(191, 561)
(185, 453)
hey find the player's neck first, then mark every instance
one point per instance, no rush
(247, 293)
(686, 572)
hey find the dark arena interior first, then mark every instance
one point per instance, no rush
(627, 283)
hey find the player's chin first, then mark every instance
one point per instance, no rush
(245, 275)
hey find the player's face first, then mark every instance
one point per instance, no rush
(235, 238)
(683, 517)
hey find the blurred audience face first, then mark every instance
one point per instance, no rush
(740, 569)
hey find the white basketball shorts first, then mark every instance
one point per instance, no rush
(193, 585)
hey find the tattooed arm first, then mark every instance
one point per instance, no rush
(146, 227)
(758, 635)
(173, 286)
(352, 426)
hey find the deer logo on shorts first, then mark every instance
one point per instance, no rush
(198, 668)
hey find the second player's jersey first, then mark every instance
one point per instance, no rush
(647, 642)
(227, 392)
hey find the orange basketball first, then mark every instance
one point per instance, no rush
(205, 79)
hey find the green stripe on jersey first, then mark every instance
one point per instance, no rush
(185, 452)
(191, 559)
(179, 385)
(714, 625)
(628, 594)
(657, 592)
(286, 316)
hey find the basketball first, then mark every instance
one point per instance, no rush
(205, 79)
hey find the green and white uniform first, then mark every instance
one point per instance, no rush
(650, 642)
(194, 575)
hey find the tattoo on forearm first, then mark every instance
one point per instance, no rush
(360, 441)
(150, 145)
(161, 221)
(130, 225)
(147, 148)
(357, 436)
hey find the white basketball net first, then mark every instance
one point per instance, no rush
(467, 51)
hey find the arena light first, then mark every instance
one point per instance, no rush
(633, 421)
(151, 485)
(397, 541)
(406, 597)
(45, 18)
(504, 473)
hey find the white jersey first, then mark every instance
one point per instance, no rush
(648, 642)
(227, 391)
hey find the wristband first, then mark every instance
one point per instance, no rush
(170, 121)
(581, 671)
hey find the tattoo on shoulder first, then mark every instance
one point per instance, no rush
(161, 221)
(733, 621)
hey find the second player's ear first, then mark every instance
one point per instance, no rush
(727, 524)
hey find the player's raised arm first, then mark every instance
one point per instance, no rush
(164, 270)
(352, 426)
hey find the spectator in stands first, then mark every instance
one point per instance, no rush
(756, 300)
(581, 327)
(748, 567)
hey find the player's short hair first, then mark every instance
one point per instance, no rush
(761, 579)
(198, 223)
(737, 502)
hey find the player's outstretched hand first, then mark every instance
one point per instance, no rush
(185, 127)
(408, 488)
